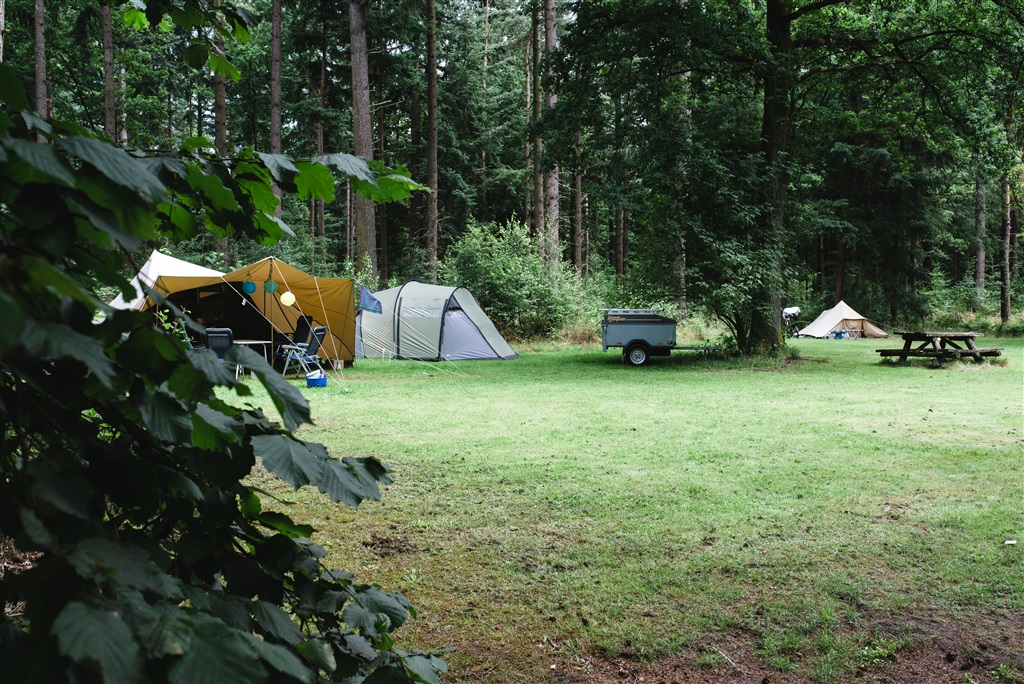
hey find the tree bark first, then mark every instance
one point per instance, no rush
(275, 90)
(1005, 282)
(620, 240)
(39, 27)
(366, 230)
(538, 178)
(577, 203)
(431, 217)
(319, 219)
(3, 26)
(551, 191)
(109, 102)
(980, 220)
(416, 201)
(765, 330)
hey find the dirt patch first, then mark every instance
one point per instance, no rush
(988, 650)
(388, 546)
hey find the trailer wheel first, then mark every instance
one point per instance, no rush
(636, 355)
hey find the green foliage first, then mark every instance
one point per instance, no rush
(123, 458)
(502, 267)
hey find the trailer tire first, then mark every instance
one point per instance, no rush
(636, 354)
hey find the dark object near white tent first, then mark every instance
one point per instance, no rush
(425, 322)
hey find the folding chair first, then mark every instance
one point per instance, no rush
(220, 341)
(303, 355)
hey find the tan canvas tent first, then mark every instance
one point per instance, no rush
(248, 300)
(842, 317)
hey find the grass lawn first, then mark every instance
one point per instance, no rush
(563, 517)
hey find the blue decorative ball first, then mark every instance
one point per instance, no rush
(270, 286)
(248, 287)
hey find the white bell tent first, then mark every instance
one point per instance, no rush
(842, 318)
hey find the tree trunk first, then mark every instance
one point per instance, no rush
(416, 201)
(39, 26)
(366, 230)
(483, 83)
(1005, 282)
(538, 178)
(620, 240)
(980, 219)
(577, 203)
(275, 90)
(383, 237)
(109, 106)
(432, 218)
(528, 143)
(220, 132)
(3, 26)
(220, 105)
(765, 330)
(551, 191)
(840, 290)
(319, 220)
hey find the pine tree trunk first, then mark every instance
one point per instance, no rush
(551, 190)
(39, 26)
(577, 204)
(620, 240)
(416, 201)
(432, 218)
(383, 237)
(319, 220)
(275, 90)
(538, 178)
(980, 219)
(220, 132)
(365, 218)
(3, 26)
(1005, 282)
(528, 143)
(109, 103)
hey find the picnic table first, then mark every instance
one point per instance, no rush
(941, 346)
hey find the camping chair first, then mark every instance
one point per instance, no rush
(304, 355)
(219, 341)
(299, 338)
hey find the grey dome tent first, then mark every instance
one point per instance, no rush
(424, 322)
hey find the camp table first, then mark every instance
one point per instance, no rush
(942, 346)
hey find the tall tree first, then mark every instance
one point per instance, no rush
(362, 129)
(39, 27)
(109, 102)
(275, 88)
(432, 228)
(552, 243)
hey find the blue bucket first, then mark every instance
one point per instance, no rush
(316, 379)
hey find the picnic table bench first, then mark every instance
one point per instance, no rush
(941, 346)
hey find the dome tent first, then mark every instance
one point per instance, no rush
(842, 317)
(424, 322)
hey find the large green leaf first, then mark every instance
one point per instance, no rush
(276, 622)
(342, 483)
(222, 66)
(89, 634)
(54, 341)
(319, 652)
(374, 611)
(281, 166)
(218, 654)
(348, 165)
(287, 398)
(43, 158)
(101, 560)
(314, 181)
(169, 634)
(423, 669)
(165, 416)
(284, 661)
(293, 461)
(115, 164)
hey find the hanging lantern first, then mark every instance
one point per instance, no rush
(248, 287)
(288, 298)
(270, 286)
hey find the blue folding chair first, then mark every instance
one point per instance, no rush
(303, 355)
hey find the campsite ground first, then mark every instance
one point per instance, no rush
(565, 518)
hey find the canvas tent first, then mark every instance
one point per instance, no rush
(428, 323)
(842, 317)
(220, 299)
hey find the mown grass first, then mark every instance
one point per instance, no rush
(564, 505)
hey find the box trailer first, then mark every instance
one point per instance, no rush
(640, 333)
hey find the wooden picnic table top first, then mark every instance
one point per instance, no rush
(949, 335)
